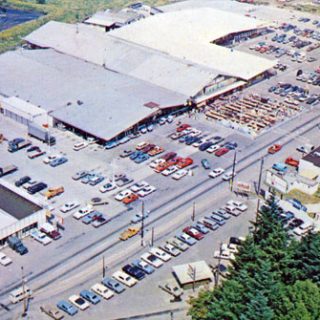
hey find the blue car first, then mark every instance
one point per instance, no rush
(191, 140)
(218, 219)
(145, 267)
(113, 285)
(135, 155)
(90, 296)
(142, 158)
(183, 139)
(67, 307)
(200, 227)
(89, 218)
(280, 167)
(58, 161)
(111, 144)
(186, 239)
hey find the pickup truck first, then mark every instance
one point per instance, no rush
(7, 170)
(130, 232)
(16, 244)
(36, 153)
(292, 162)
(18, 144)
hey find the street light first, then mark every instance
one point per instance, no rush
(142, 224)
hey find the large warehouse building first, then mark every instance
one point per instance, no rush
(107, 83)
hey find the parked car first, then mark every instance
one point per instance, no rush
(164, 256)
(90, 296)
(126, 153)
(212, 225)
(99, 220)
(178, 244)
(22, 181)
(171, 249)
(96, 180)
(220, 152)
(67, 307)
(180, 174)
(205, 163)
(146, 191)
(113, 284)
(280, 167)
(216, 172)
(182, 127)
(124, 278)
(124, 140)
(4, 260)
(202, 228)
(83, 212)
(37, 188)
(69, 206)
(80, 145)
(152, 259)
(229, 175)
(130, 232)
(169, 170)
(186, 238)
(123, 194)
(142, 145)
(194, 233)
(102, 291)
(142, 265)
(111, 144)
(213, 148)
(274, 148)
(141, 158)
(238, 204)
(79, 302)
(91, 217)
(130, 198)
(134, 271)
(292, 162)
(40, 237)
(139, 186)
(204, 146)
(53, 192)
(58, 161)
(138, 217)
(134, 155)
(52, 311)
(108, 187)
(222, 213)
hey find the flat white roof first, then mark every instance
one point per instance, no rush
(192, 32)
(185, 275)
(22, 107)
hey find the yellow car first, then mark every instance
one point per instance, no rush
(130, 232)
(52, 192)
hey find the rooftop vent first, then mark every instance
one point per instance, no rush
(151, 105)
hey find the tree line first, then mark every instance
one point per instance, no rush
(273, 277)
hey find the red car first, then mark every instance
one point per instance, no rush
(184, 162)
(183, 127)
(148, 148)
(292, 162)
(55, 235)
(194, 233)
(275, 148)
(220, 152)
(168, 156)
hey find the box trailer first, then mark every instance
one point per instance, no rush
(41, 133)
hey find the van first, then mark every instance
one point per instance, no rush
(306, 148)
(19, 294)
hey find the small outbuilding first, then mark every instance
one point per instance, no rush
(193, 274)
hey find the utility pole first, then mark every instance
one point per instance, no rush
(103, 267)
(142, 224)
(233, 169)
(218, 267)
(152, 236)
(24, 311)
(258, 192)
(193, 211)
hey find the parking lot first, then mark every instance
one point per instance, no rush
(74, 262)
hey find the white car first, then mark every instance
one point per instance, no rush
(123, 194)
(146, 191)
(168, 247)
(213, 148)
(198, 143)
(50, 157)
(80, 145)
(108, 187)
(69, 206)
(228, 176)
(102, 291)
(238, 204)
(224, 254)
(152, 259)
(40, 237)
(195, 133)
(180, 174)
(124, 278)
(164, 256)
(139, 186)
(232, 210)
(79, 302)
(83, 212)
(156, 162)
(216, 172)
(4, 260)
(170, 170)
